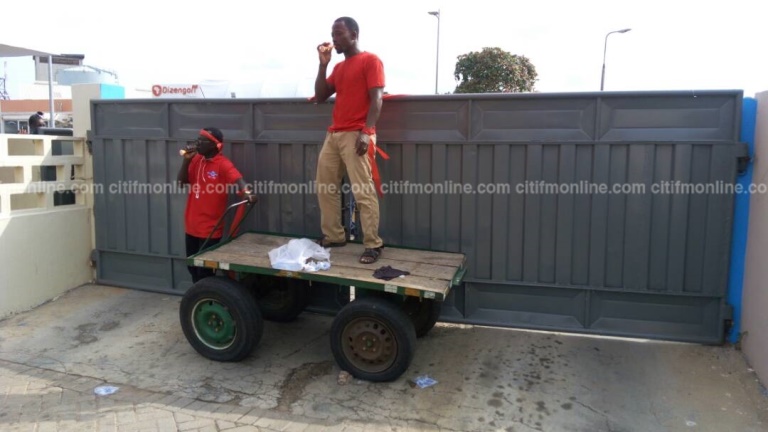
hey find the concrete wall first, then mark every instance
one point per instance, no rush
(755, 300)
(45, 237)
(43, 254)
(82, 95)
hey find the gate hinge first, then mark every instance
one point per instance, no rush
(94, 259)
(89, 141)
(726, 311)
(742, 157)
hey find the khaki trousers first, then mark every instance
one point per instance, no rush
(338, 157)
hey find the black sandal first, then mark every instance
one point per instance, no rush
(329, 244)
(370, 255)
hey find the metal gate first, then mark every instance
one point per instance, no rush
(615, 219)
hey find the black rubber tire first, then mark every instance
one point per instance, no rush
(424, 313)
(377, 325)
(216, 303)
(280, 299)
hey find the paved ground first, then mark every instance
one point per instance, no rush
(52, 359)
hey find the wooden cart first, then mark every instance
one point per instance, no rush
(372, 337)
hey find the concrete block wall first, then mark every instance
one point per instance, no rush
(46, 209)
(45, 222)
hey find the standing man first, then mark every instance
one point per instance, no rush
(349, 145)
(208, 172)
(36, 122)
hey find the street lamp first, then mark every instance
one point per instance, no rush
(605, 48)
(437, 55)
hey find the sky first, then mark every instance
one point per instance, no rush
(672, 45)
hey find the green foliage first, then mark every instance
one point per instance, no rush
(494, 70)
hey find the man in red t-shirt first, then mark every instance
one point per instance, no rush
(350, 142)
(209, 173)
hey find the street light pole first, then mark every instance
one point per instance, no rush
(437, 54)
(605, 49)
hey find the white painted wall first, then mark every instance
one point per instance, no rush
(755, 297)
(44, 249)
(43, 254)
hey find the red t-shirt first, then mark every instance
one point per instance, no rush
(352, 79)
(208, 194)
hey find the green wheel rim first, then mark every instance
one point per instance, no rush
(214, 324)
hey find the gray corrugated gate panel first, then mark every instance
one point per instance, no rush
(635, 264)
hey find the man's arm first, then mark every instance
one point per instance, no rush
(323, 90)
(245, 189)
(374, 110)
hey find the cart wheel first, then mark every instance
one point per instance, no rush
(220, 319)
(280, 299)
(423, 313)
(373, 340)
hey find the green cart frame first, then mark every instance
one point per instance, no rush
(372, 337)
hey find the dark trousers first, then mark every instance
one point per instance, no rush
(193, 247)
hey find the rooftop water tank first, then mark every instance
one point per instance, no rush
(85, 75)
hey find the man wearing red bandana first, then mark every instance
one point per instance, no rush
(350, 143)
(209, 173)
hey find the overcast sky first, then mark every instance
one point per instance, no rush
(673, 44)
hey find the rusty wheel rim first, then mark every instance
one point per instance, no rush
(369, 344)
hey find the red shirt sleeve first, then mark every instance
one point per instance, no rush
(374, 73)
(231, 174)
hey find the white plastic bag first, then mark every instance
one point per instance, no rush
(105, 390)
(293, 256)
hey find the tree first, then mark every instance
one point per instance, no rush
(494, 70)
